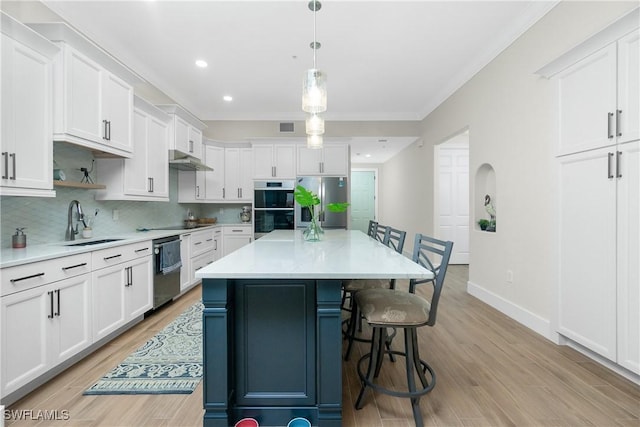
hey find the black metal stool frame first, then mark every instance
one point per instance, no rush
(423, 247)
(394, 239)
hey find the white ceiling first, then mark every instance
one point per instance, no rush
(385, 60)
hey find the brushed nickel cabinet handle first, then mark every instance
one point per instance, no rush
(609, 159)
(609, 133)
(149, 185)
(618, 166)
(111, 257)
(5, 174)
(13, 162)
(619, 131)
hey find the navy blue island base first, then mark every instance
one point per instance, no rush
(272, 351)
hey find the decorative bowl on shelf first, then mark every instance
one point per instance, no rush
(202, 221)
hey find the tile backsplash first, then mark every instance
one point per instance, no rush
(45, 219)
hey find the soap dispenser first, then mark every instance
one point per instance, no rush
(19, 240)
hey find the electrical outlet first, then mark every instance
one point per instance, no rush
(510, 276)
(115, 214)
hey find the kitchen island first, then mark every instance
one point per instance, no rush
(272, 324)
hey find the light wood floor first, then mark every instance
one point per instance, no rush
(490, 372)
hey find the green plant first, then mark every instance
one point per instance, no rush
(307, 198)
(483, 223)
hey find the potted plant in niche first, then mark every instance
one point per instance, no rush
(483, 223)
(310, 200)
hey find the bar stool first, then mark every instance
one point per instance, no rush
(393, 238)
(373, 226)
(391, 308)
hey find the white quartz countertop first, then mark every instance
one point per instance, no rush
(340, 254)
(33, 253)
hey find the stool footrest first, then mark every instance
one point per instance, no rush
(425, 368)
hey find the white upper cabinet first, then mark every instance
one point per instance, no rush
(231, 179)
(26, 163)
(330, 160)
(145, 176)
(93, 93)
(599, 98)
(274, 161)
(185, 132)
(238, 175)
(629, 87)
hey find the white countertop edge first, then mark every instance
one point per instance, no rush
(10, 257)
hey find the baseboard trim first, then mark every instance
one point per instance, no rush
(530, 320)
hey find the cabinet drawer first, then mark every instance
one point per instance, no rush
(27, 276)
(237, 229)
(202, 260)
(116, 255)
(201, 241)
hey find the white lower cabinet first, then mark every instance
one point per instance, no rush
(599, 270)
(202, 250)
(122, 290)
(235, 237)
(43, 324)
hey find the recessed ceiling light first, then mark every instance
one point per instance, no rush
(227, 98)
(202, 64)
(367, 155)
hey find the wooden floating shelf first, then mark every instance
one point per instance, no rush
(73, 184)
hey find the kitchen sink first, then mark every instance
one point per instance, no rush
(94, 242)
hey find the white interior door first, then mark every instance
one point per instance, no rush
(452, 195)
(363, 199)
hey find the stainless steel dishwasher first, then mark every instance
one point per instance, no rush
(166, 269)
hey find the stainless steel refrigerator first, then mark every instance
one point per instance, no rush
(329, 190)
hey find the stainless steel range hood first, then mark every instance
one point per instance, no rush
(186, 163)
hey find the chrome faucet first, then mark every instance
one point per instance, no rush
(71, 233)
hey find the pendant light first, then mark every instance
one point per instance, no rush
(314, 91)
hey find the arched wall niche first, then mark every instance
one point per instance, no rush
(485, 196)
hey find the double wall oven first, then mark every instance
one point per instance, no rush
(273, 206)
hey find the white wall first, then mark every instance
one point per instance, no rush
(510, 115)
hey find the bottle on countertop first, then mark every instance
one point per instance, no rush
(19, 240)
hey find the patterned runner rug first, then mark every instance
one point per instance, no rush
(169, 363)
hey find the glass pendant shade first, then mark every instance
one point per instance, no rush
(314, 91)
(314, 141)
(314, 125)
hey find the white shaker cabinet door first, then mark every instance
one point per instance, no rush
(158, 157)
(117, 106)
(629, 256)
(629, 87)
(72, 317)
(83, 102)
(26, 161)
(587, 99)
(139, 293)
(108, 306)
(25, 328)
(587, 312)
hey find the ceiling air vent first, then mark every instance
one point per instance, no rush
(286, 127)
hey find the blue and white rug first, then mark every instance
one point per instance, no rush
(169, 363)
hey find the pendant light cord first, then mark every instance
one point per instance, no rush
(315, 43)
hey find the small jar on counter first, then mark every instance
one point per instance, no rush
(19, 240)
